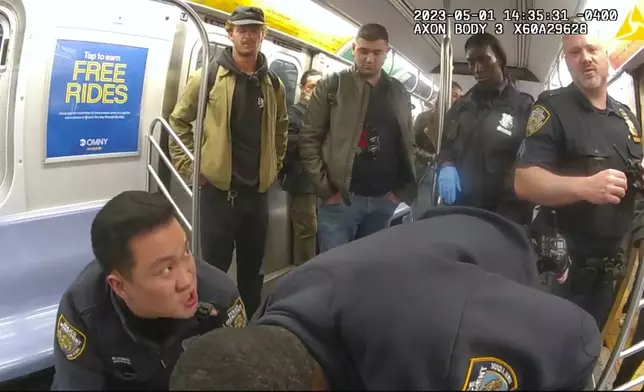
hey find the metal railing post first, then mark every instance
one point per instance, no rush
(193, 226)
(444, 97)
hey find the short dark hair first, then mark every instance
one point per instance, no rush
(373, 32)
(307, 74)
(487, 39)
(252, 358)
(125, 216)
(456, 85)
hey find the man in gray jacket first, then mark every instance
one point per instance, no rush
(357, 146)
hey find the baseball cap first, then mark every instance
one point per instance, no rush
(247, 16)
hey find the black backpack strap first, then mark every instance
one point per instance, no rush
(334, 85)
(212, 74)
(275, 81)
(213, 68)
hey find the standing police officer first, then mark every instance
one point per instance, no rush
(569, 163)
(483, 132)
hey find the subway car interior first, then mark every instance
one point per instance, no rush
(52, 183)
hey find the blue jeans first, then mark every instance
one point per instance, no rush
(339, 223)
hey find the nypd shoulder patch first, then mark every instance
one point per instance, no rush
(236, 315)
(70, 340)
(539, 116)
(490, 374)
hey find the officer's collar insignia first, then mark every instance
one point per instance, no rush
(505, 124)
(490, 374)
(236, 315)
(631, 126)
(70, 340)
(206, 309)
(539, 116)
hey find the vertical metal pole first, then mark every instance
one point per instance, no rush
(198, 132)
(444, 95)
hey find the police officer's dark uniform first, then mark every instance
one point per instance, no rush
(567, 135)
(483, 132)
(459, 311)
(101, 345)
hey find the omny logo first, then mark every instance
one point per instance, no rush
(633, 26)
(95, 144)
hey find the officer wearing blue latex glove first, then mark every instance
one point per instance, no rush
(448, 184)
(482, 134)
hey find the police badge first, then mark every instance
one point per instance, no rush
(506, 121)
(505, 124)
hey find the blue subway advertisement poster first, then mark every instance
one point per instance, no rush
(95, 99)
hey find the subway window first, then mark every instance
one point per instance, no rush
(4, 44)
(288, 73)
(423, 90)
(214, 53)
(408, 80)
(5, 98)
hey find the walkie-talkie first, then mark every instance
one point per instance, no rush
(552, 251)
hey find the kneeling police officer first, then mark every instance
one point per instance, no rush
(460, 312)
(573, 163)
(128, 316)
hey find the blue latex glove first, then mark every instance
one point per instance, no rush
(448, 184)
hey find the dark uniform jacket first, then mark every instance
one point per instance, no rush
(483, 132)
(446, 303)
(568, 136)
(101, 345)
(294, 178)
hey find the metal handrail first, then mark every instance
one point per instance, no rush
(165, 159)
(194, 227)
(634, 305)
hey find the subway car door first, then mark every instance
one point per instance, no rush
(191, 61)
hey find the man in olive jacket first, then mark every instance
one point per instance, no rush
(357, 146)
(244, 141)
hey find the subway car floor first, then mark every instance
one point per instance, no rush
(41, 381)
